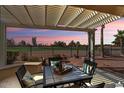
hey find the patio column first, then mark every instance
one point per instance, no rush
(3, 54)
(102, 41)
(91, 47)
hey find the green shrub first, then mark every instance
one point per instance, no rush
(11, 57)
(24, 57)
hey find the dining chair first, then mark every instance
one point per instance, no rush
(26, 80)
(88, 68)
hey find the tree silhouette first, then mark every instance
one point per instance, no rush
(10, 42)
(119, 38)
(72, 44)
(78, 43)
(34, 42)
(77, 46)
(22, 43)
(59, 43)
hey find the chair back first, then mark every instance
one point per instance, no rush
(43, 60)
(54, 59)
(89, 66)
(20, 74)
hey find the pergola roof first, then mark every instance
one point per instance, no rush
(60, 17)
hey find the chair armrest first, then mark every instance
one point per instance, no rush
(35, 85)
(37, 73)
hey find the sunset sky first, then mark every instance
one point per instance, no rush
(46, 36)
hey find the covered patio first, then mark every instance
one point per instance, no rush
(100, 75)
(57, 17)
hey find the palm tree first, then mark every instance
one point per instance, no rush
(22, 43)
(119, 40)
(72, 44)
(34, 42)
(77, 45)
(59, 43)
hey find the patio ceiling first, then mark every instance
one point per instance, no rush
(58, 17)
(112, 9)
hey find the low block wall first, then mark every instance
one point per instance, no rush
(10, 70)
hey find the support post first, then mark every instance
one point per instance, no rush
(30, 52)
(91, 47)
(102, 41)
(52, 47)
(71, 52)
(3, 47)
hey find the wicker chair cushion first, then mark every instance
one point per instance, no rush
(28, 80)
(53, 63)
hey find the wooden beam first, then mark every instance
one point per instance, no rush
(84, 17)
(107, 20)
(90, 19)
(45, 15)
(100, 21)
(86, 20)
(52, 28)
(29, 14)
(75, 18)
(111, 9)
(62, 15)
(12, 15)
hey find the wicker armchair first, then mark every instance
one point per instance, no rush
(20, 73)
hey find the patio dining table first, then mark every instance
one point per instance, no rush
(52, 79)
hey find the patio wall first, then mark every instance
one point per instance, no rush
(9, 70)
(48, 52)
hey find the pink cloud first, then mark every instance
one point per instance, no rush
(14, 29)
(41, 30)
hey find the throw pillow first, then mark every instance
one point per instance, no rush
(28, 80)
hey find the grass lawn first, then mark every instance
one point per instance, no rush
(26, 49)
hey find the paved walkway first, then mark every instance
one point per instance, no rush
(12, 82)
(110, 76)
(116, 64)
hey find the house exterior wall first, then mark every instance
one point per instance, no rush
(3, 53)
